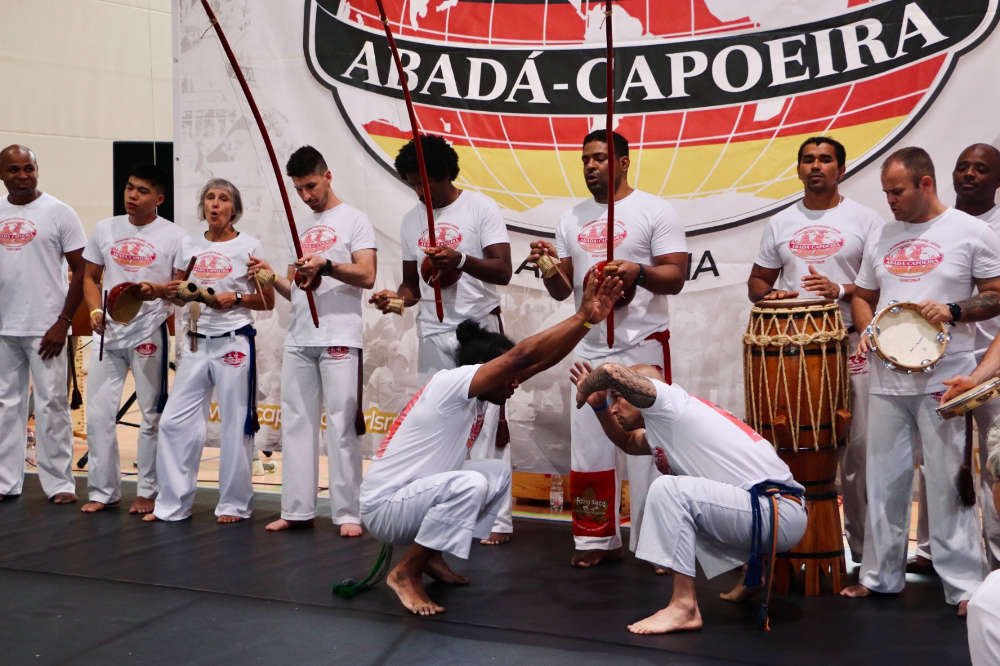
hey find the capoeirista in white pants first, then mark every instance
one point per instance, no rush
(222, 363)
(442, 511)
(306, 374)
(105, 380)
(19, 359)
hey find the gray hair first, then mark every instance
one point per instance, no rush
(993, 463)
(221, 184)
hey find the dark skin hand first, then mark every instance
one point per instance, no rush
(54, 338)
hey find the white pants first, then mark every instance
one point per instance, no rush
(595, 483)
(223, 363)
(984, 622)
(853, 488)
(105, 380)
(682, 509)
(437, 352)
(308, 374)
(443, 511)
(19, 358)
(893, 422)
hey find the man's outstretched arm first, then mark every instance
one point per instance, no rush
(632, 386)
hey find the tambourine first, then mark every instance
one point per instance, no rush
(124, 302)
(969, 400)
(905, 340)
(429, 274)
(602, 271)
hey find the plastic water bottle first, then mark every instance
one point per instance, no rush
(555, 493)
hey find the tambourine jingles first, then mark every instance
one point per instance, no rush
(124, 302)
(445, 279)
(603, 272)
(969, 400)
(905, 340)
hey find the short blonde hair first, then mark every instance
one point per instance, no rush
(221, 184)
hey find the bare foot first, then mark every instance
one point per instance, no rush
(669, 619)
(438, 569)
(497, 538)
(351, 530)
(142, 506)
(584, 559)
(963, 608)
(855, 591)
(63, 498)
(280, 525)
(226, 519)
(411, 593)
(94, 507)
(149, 518)
(740, 593)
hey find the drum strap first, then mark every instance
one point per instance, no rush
(755, 567)
(359, 414)
(966, 487)
(663, 337)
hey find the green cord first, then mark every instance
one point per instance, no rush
(350, 588)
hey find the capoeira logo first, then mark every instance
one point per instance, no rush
(235, 358)
(318, 239)
(477, 425)
(146, 349)
(398, 422)
(446, 235)
(211, 267)
(857, 364)
(593, 502)
(706, 92)
(815, 243)
(747, 430)
(593, 238)
(16, 232)
(336, 352)
(912, 259)
(133, 253)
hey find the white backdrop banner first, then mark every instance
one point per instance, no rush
(715, 97)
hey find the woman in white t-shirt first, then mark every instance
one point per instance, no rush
(220, 356)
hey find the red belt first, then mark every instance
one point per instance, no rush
(663, 337)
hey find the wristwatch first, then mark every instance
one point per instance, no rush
(239, 297)
(641, 277)
(956, 312)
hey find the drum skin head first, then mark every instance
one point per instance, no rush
(792, 303)
(969, 400)
(124, 302)
(904, 338)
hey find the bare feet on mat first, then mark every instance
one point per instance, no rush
(584, 559)
(497, 538)
(920, 565)
(63, 498)
(672, 618)
(439, 570)
(142, 506)
(280, 525)
(351, 530)
(740, 593)
(855, 591)
(94, 507)
(226, 519)
(963, 608)
(150, 518)
(411, 593)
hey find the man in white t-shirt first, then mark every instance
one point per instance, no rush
(815, 246)
(338, 245)
(651, 257)
(935, 256)
(37, 232)
(472, 256)
(709, 504)
(420, 489)
(138, 247)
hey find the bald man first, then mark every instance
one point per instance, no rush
(712, 502)
(37, 232)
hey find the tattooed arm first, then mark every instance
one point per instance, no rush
(632, 386)
(985, 304)
(631, 442)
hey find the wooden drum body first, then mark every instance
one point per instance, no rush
(797, 396)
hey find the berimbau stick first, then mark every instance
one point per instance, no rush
(609, 132)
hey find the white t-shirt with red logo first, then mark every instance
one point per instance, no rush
(990, 328)
(335, 234)
(832, 241)
(33, 281)
(468, 224)
(938, 260)
(432, 434)
(135, 254)
(223, 267)
(646, 226)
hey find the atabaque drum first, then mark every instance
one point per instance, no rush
(797, 396)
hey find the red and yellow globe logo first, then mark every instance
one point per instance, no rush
(714, 96)
(913, 258)
(133, 254)
(816, 243)
(446, 235)
(593, 237)
(318, 239)
(212, 266)
(16, 232)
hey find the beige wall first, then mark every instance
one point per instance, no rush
(77, 75)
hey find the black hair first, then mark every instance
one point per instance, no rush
(305, 161)
(838, 148)
(915, 160)
(477, 345)
(150, 173)
(439, 157)
(621, 143)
